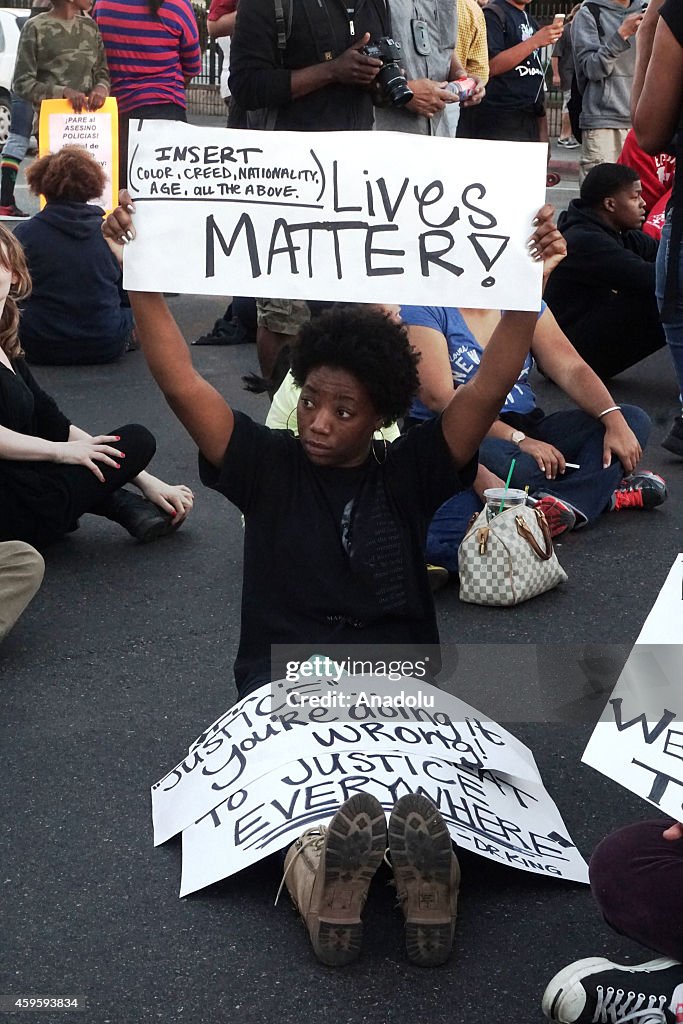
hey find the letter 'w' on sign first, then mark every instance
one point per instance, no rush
(637, 741)
(649, 735)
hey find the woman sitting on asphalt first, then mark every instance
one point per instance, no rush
(74, 314)
(334, 536)
(577, 463)
(51, 472)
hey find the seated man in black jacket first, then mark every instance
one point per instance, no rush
(603, 294)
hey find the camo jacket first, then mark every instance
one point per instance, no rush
(52, 57)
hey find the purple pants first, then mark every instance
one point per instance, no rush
(637, 879)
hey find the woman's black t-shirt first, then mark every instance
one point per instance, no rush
(333, 556)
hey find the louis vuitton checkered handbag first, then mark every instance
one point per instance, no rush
(509, 559)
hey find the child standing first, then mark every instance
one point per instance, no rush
(60, 56)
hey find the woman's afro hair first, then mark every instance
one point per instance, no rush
(71, 175)
(368, 344)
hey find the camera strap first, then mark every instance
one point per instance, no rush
(281, 27)
(328, 41)
(327, 44)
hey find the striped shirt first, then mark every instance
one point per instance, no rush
(149, 56)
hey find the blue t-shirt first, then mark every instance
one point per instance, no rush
(465, 354)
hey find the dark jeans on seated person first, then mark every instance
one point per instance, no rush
(637, 879)
(578, 436)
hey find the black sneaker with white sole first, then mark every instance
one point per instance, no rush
(596, 991)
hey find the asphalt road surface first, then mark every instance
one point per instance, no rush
(125, 655)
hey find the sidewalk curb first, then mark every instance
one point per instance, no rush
(570, 168)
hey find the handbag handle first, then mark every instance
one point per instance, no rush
(524, 531)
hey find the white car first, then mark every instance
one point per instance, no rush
(11, 21)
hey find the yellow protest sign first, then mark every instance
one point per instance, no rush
(93, 130)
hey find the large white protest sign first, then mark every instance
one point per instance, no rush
(638, 741)
(664, 623)
(351, 216)
(259, 734)
(510, 820)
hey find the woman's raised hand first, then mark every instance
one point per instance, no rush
(547, 244)
(89, 452)
(118, 228)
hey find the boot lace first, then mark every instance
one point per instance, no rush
(401, 894)
(314, 837)
(616, 1006)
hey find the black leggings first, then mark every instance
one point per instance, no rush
(72, 490)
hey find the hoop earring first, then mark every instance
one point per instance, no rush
(380, 462)
(287, 426)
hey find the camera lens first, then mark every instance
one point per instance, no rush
(394, 85)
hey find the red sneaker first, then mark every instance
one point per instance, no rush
(12, 211)
(640, 490)
(561, 517)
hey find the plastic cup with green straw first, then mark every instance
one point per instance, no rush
(507, 485)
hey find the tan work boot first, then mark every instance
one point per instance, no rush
(328, 872)
(427, 877)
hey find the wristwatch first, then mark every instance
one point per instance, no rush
(517, 436)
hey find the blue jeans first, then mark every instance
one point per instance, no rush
(448, 528)
(579, 437)
(21, 127)
(674, 328)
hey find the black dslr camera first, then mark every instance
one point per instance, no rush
(391, 80)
